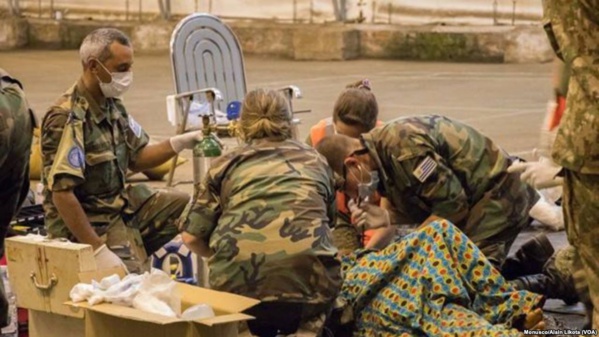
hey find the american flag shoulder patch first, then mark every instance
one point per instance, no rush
(424, 170)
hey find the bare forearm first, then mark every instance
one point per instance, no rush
(153, 155)
(72, 213)
(196, 245)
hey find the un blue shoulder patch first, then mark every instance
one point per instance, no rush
(75, 157)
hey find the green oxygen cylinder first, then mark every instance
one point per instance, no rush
(203, 153)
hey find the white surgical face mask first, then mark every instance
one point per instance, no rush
(119, 84)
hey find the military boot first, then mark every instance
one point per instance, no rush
(560, 268)
(529, 259)
(547, 286)
(556, 280)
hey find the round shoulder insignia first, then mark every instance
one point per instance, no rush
(75, 157)
(135, 127)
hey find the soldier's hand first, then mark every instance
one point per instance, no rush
(539, 174)
(185, 141)
(106, 259)
(368, 216)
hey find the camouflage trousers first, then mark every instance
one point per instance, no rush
(497, 247)
(137, 236)
(495, 221)
(581, 215)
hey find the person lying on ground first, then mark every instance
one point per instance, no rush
(433, 282)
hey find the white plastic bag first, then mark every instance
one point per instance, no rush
(153, 292)
(198, 311)
(159, 285)
(148, 303)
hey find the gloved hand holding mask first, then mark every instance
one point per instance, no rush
(368, 216)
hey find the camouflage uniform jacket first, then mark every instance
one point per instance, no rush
(88, 148)
(435, 165)
(265, 212)
(16, 132)
(573, 29)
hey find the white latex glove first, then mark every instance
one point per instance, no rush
(540, 174)
(185, 141)
(368, 216)
(106, 259)
(548, 214)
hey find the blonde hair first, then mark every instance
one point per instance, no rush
(265, 114)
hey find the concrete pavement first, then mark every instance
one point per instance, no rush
(506, 102)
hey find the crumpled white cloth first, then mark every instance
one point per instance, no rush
(548, 214)
(153, 292)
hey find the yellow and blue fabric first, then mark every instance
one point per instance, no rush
(433, 282)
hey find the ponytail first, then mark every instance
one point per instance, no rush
(265, 114)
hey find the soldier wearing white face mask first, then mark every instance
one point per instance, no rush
(89, 141)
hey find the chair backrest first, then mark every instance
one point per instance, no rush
(205, 53)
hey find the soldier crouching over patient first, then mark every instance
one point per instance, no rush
(263, 217)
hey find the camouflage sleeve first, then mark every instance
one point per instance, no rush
(436, 187)
(6, 122)
(63, 156)
(575, 28)
(204, 215)
(16, 133)
(14, 108)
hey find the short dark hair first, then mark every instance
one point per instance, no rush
(335, 148)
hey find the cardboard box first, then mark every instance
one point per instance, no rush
(45, 324)
(108, 320)
(42, 273)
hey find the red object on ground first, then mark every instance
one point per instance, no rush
(23, 321)
(558, 113)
